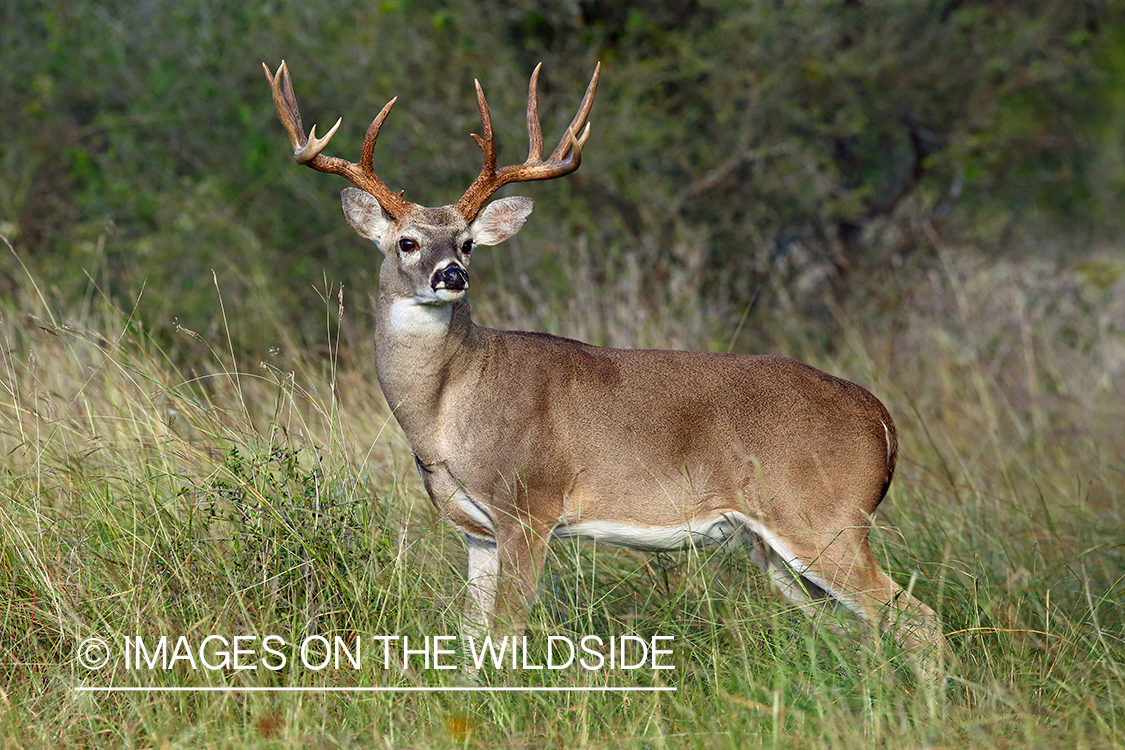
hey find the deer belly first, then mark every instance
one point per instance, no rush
(696, 532)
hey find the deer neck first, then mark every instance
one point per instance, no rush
(419, 350)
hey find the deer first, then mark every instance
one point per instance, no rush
(521, 438)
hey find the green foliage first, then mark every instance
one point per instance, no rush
(293, 538)
(139, 498)
(730, 140)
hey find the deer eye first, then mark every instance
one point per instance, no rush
(407, 245)
(467, 247)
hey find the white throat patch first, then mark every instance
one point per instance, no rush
(408, 317)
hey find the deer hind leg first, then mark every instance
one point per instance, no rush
(821, 572)
(784, 571)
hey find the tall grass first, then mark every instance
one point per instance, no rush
(275, 495)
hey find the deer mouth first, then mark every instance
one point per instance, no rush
(450, 283)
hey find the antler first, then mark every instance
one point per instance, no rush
(307, 149)
(563, 160)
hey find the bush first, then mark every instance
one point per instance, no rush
(729, 142)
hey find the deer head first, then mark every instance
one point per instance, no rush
(430, 247)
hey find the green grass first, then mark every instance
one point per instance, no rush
(142, 497)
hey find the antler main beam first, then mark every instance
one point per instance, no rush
(563, 160)
(307, 149)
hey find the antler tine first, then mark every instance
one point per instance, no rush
(579, 122)
(488, 142)
(286, 105)
(367, 156)
(565, 159)
(534, 130)
(307, 149)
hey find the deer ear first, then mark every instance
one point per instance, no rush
(500, 219)
(364, 214)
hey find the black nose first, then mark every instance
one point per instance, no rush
(451, 277)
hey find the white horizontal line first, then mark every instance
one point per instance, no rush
(449, 689)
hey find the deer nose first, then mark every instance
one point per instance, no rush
(452, 277)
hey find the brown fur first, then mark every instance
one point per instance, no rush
(522, 436)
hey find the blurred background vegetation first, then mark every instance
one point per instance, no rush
(744, 156)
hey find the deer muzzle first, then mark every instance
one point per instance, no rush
(453, 277)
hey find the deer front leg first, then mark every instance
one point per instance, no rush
(522, 550)
(502, 579)
(484, 568)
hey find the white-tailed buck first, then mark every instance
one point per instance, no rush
(525, 437)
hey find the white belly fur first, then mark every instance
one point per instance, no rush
(702, 531)
(717, 530)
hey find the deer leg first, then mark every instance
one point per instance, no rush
(864, 588)
(915, 626)
(484, 567)
(821, 571)
(783, 569)
(522, 550)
